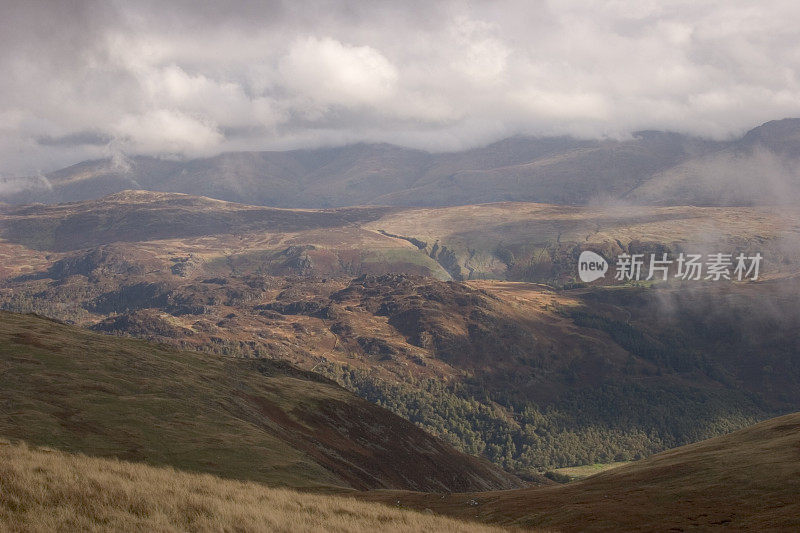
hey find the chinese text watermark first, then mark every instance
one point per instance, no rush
(660, 267)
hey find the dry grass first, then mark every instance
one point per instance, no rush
(582, 472)
(42, 490)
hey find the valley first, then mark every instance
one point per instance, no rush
(442, 266)
(471, 311)
(104, 432)
(747, 480)
(238, 418)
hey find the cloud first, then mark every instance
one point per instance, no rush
(11, 186)
(331, 73)
(483, 57)
(167, 131)
(78, 138)
(85, 78)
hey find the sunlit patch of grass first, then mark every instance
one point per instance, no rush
(45, 490)
(580, 472)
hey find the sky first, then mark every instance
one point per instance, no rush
(92, 79)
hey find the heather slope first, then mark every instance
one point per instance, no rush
(248, 419)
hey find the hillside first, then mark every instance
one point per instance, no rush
(747, 480)
(46, 490)
(192, 236)
(532, 376)
(164, 230)
(135, 216)
(759, 168)
(247, 419)
(572, 383)
(650, 167)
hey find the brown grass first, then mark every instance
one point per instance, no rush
(748, 480)
(43, 490)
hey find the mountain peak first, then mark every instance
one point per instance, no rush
(778, 135)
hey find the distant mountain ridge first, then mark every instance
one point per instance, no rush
(650, 168)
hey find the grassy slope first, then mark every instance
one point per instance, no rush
(248, 419)
(748, 479)
(42, 490)
(581, 472)
(224, 236)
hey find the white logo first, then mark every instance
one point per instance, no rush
(591, 266)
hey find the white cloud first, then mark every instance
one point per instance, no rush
(332, 73)
(481, 57)
(165, 131)
(194, 78)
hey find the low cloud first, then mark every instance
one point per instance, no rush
(12, 186)
(85, 79)
(330, 73)
(79, 138)
(167, 131)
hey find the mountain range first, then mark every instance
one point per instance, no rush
(650, 167)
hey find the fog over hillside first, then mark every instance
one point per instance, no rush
(650, 168)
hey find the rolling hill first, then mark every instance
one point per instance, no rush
(747, 480)
(248, 419)
(196, 236)
(533, 371)
(650, 168)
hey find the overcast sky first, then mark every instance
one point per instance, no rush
(85, 79)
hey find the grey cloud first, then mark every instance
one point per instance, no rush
(85, 79)
(76, 139)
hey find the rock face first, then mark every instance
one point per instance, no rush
(456, 323)
(102, 261)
